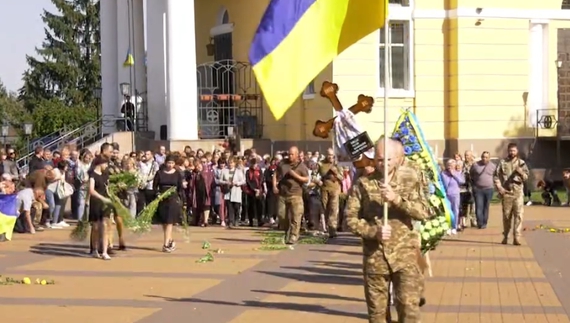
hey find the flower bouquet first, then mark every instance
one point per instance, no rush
(119, 182)
(433, 229)
(143, 221)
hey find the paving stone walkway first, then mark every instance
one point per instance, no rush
(475, 279)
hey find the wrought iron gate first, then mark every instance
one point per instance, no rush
(228, 97)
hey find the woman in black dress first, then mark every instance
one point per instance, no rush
(99, 212)
(169, 210)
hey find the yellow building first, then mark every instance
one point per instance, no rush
(476, 73)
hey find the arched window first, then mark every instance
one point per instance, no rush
(223, 16)
(226, 17)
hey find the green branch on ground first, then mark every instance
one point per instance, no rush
(275, 240)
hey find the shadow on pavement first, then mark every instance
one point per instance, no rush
(471, 241)
(338, 264)
(325, 271)
(312, 295)
(71, 250)
(238, 240)
(319, 279)
(348, 253)
(276, 306)
(344, 240)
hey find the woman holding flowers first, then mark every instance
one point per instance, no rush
(129, 166)
(99, 210)
(452, 181)
(169, 209)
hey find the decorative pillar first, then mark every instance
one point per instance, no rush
(156, 65)
(123, 30)
(138, 46)
(109, 64)
(182, 112)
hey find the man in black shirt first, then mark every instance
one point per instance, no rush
(128, 110)
(37, 161)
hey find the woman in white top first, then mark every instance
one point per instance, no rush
(82, 175)
(61, 193)
(231, 182)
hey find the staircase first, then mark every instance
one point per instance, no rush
(43, 140)
(80, 137)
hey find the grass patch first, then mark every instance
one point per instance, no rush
(535, 197)
(275, 240)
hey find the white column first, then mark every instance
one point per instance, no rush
(123, 42)
(156, 64)
(182, 80)
(138, 50)
(537, 97)
(109, 64)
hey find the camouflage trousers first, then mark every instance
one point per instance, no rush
(330, 200)
(408, 285)
(290, 211)
(513, 208)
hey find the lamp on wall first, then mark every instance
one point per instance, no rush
(211, 47)
(559, 63)
(5, 132)
(28, 129)
(125, 88)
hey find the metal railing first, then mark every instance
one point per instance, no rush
(80, 138)
(43, 140)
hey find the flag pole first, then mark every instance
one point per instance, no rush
(387, 85)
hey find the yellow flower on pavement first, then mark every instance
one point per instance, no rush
(26, 281)
(43, 282)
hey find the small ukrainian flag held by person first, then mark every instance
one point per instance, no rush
(8, 214)
(297, 39)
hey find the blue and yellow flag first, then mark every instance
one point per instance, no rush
(129, 61)
(8, 214)
(297, 39)
(416, 148)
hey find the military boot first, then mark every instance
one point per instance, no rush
(504, 240)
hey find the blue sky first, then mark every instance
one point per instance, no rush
(22, 31)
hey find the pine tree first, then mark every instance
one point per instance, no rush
(68, 68)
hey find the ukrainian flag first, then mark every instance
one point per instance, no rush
(297, 39)
(8, 214)
(129, 60)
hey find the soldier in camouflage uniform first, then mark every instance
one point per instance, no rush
(293, 174)
(390, 252)
(509, 178)
(331, 177)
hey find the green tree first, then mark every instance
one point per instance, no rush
(67, 68)
(11, 109)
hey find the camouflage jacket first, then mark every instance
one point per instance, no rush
(329, 179)
(506, 177)
(364, 212)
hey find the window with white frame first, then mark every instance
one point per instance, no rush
(399, 55)
(309, 91)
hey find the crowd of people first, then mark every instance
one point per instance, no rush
(226, 188)
(219, 187)
(292, 190)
